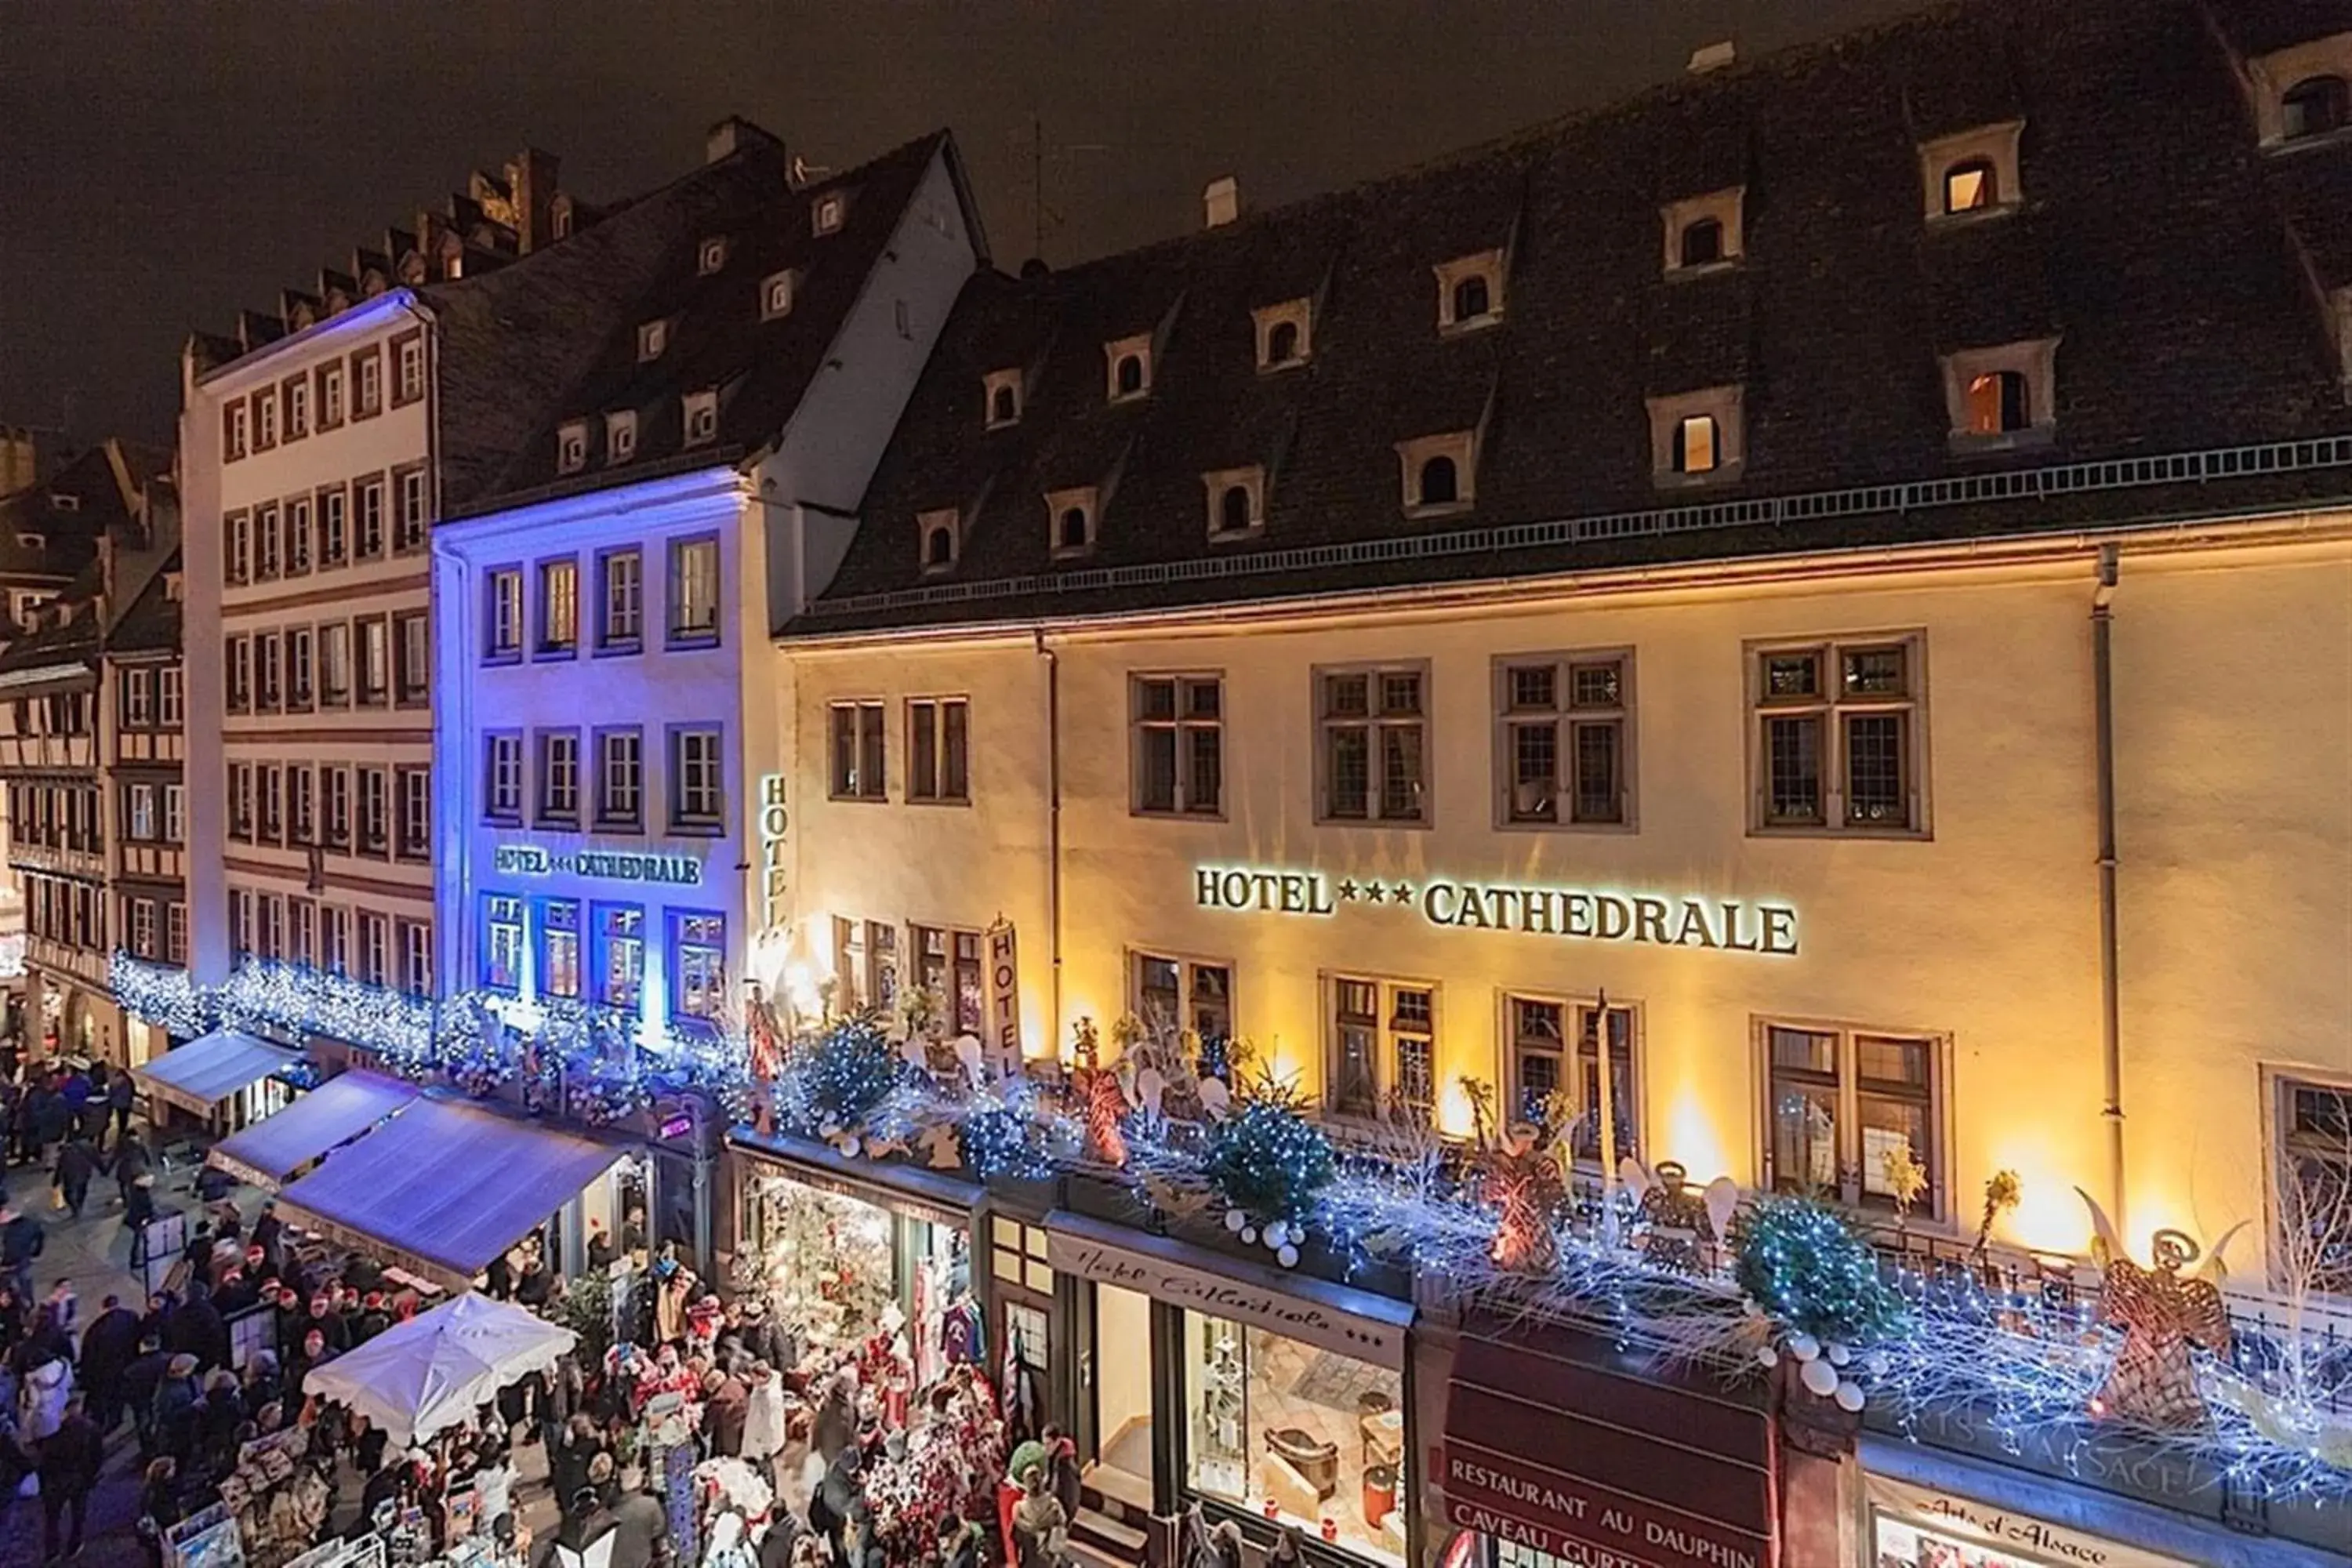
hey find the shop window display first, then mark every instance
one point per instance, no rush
(1303, 1436)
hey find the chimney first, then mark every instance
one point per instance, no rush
(20, 460)
(1221, 202)
(531, 177)
(1713, 57)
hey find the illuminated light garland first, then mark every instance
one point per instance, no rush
(1802, 1264)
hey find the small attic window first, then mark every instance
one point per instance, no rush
(1470, 291)
(621, 436)
(1997, 403)
(2315, 105)
(1283, 334)
(826, 212)
(711, 256)
(559, 217)
(653, 338)
(1971, 174)
(1000, 393)
(2002, 398)
(1237, 499)
(1705, 231)
(61, 500)
(1071, 515)
(32, 541)
(571, 449)
(1702, 243)
(1439, 473)
(1129, 362)
(775, 296)
(1697, 437)
(941, 533)
(702, 417)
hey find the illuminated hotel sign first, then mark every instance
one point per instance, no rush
(1582, 914)
(610, 866)
(773, 880)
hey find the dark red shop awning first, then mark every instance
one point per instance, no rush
(1545, 1446)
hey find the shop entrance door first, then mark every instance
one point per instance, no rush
(1121, 1367)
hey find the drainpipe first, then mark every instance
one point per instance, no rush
(2110, 997)
(1053, 838)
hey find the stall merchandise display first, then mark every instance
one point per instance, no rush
(279, 1500)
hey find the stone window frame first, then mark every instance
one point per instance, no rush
(1299, 313)
(2273, 76)
(698, 403)
(1727, 207)
(776, 293)
(616, 425)
(1996, 144)
(1727, 406)
(997, 380)
(2036, 359)
(928, 523)
(1086, 498)
(1450, 275)
(571, 447)
(1414, 452)
(1136, 346)
(1216, 482)
(710, 256)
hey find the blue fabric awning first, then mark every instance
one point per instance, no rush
(445, 1185)
(204, 1072)
(334, 1113)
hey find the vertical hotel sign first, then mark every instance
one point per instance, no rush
(1003, 997)
(774, 884)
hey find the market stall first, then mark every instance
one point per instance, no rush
(227, 1067)
(432, 1372)
(271, 1152)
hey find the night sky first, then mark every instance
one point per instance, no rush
(163, 163)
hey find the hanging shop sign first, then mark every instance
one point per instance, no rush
(1582, 914)
(1926, 1527)
(774, 879)
(601, 865)
(1004, 995)
(1353, 1323)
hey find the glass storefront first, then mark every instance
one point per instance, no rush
(832, 1266)
(1306, 1436)
(1910, 1526)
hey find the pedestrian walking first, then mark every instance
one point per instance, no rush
(70, 1459)
(79, 1161)
(109, 1346)
(22, 1240)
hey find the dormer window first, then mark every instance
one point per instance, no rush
(1439, 473)
(1000, 393)
(2002, 398)
(1697, 437)
(2315, 105)
(559, 217)
(621, 436)
(571, 449)
(62, 500)
(941, 533)
(1973, 173)
(826, 212)
(702, 417)
(1470, 291)
(1129, 362)
(1703, 231)
(1071, 514)
(653, 339)
(1282, 334)
(711, 256)
(1236, 502)
(775, 296)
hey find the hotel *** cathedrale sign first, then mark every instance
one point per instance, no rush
(1577, 914)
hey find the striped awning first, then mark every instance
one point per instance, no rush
(270, 1151)
(201, 1074)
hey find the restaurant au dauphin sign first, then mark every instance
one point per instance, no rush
(1582, 914)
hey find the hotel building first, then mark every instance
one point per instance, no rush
(1800, 625)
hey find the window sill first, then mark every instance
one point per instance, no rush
(1417, 512)
(1703, 270)
(1820, 830)
(1670, 479)
(619, 648)
(555, 655)
(1973, 216)
(1457, 329)
(493, 821)
(1507, 824)
(956, 800)
(556, 824)
(1236, 535)
(2033, 438)
(683, 640)
(699, 829)
(633, 826)
(1415, 823)
(860, 799)
(1151, 815)
(503, 656)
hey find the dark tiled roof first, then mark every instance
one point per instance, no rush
(151, 623)
(57, 643)
(2157, 242)
(641, 263)
(43, 540)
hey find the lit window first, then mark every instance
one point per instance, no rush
(502, 938)
(559, 778)
(621, 957)
(559, 948)
(620, 623)
(505, 612)
(1850, 1113)
(939, 764)
(2314, 1187)
(1562, 731)
(1382, 1049)
(1173, 994)
(1694, 445)
(698, 797)
(694, 591)
(1970, 187)
(1837, 737)
(559, 606)
(1371, 734)
(857, 753)
(698, 963)
(1997, 403)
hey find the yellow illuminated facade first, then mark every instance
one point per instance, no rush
(1815, 843)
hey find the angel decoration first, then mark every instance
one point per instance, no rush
(2163, 1317)
(1101, 1104)
(1681, 1222)
(1519, 1171)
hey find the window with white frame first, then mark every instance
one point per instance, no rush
(559, 947)
(232, 430)
(375, 635)
(621, 956)
(335, 664)
(1127, 363)
(621, 436)
(621, 779)
(502, 938)
(335, 939)
(1000, 392)
(367, 503)
(140, 802)
(2312, 1197)
(1838, 740)
(408, 528)
(694, 590)
(335, 786)
(699, 959)
(1236, 499)
(143, 927)
(298, 535)
(937, 742)
(236, 548)
(367, 383)
(375, 811)
(171, 709)
(334, 535)
(1177, 728)
(1382, 1048)
(416, 812)
(176, 814)
(1071, 515)
(302, 931)
(503, 606)
(1564, 735)
(237, 653)
(301, 804)
(858, 769)
(1850, 1112)
(264, 420)
(240, 800)
(269, 785)
(412, 639)
(826, 213)
(416, 958)
(331, 396)
(559, 606)
(408, 379)
(775, 296)
(268, 672)
(376, 948)
(653, 338)
(947, 963)
(697, 794)
(559, 778)
(503, 776)
(265, 542)
(175, 933)
(298, 407)
(571, 449)
(621, 600)
(1469, 291)
(300, 672)
(1179, 996)
(1284, 333)
(1372, 729)
(138, 699)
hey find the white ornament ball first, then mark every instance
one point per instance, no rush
(1840, 1355)
(1875, 1363)
(1766, 1356)
(1849, 1397)
(1249, 1236)
(1235, 1220)
(1804, 1347)
(1276, 1233)
(1820, 1378)
(1287, 1257)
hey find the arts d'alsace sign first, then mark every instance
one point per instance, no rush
(604, 864)
(1582, 914)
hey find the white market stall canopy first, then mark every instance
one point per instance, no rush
(447, 1185)
(330, 1115)
(205, 1071)
(432, 1371)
